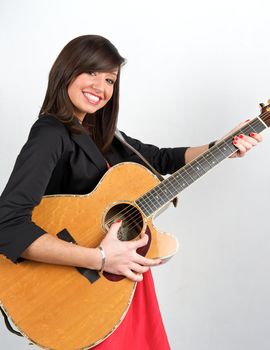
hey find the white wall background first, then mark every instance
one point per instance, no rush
(195, 70)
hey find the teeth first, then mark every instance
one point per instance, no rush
(91, 97)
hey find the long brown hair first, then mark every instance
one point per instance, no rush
(87, 53)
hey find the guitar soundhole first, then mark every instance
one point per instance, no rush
(132, 221)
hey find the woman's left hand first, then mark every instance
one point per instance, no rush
(243, 142)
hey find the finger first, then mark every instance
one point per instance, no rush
(138, 268)
(141, 242)
(257, 137)
(247, 141)
(241, 149)
(244, 141)
(114, 228)
(135, 277)
(246, 144)
(147, 262)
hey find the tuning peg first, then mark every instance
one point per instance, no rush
(268, 102)
(262, 105)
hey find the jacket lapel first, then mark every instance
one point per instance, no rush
(91, 150)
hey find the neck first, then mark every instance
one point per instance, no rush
(164, 192)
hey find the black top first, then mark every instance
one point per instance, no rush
(55, 161)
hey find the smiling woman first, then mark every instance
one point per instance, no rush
(89, 92)
(87, 68)
(70, 149)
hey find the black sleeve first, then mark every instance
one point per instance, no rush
(26, 186)
(164, 160)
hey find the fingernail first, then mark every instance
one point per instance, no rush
(236, 138)
(241, 136)
(118, 221)
(234, 142)
(252, 134)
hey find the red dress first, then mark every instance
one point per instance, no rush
(142, 327)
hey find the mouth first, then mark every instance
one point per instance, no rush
(91, 98)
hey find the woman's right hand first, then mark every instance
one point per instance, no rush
(122, 257)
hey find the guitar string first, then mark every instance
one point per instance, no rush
(122, 214)
(142, 199)
(128, 210)
(239, 130)
(138, 215)
(130, 215)
(125, 211)
(134, 218)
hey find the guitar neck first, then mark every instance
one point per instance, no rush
(164, 192)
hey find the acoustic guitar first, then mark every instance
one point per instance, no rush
(66, 308)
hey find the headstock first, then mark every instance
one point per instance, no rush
(265, 113)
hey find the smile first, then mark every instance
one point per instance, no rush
(92, 98)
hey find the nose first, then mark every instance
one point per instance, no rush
(98, 83)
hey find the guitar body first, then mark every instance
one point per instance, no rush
(56, 307)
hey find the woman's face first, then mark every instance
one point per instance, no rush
(89, 92)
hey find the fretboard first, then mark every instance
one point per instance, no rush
(164, 192)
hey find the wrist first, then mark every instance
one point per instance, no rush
(94, 259)
(103, 259)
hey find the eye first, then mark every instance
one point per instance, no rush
(110, 81)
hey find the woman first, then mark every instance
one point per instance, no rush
(69, 149)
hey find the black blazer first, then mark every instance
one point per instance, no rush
(55, 161)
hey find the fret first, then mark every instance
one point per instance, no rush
(246, 130)
(169, 188)
(199, 166)
(179, 181)
(154, 203)
(225, 148)
(157, 197)
(222, 151)
(203, 163)
(174, 184)
(154, 199)
(164, 192)
(144, 203)
(255, 126)
(184, 177)
(211, 160)
(191, 171)
(258, 125)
